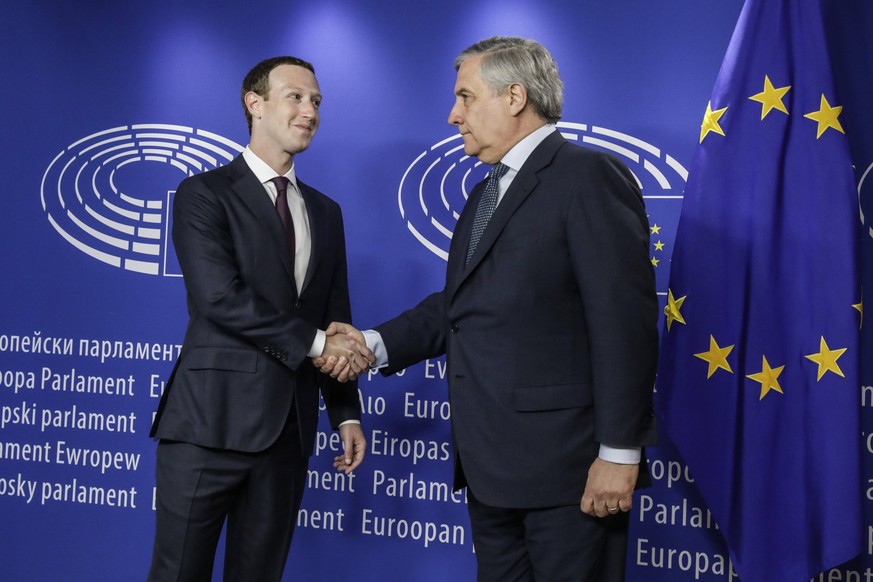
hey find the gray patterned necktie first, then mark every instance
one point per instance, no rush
(486, 207)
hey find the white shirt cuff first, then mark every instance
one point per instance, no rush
(350, 422)
(377, 346)
(621, 455)
(317, 344)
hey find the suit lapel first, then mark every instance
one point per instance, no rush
(317, 229)
(251, 192)
(522, 185)
(461, 235)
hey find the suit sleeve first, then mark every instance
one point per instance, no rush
(608, 239)
(416, 334)
(204, 240)
(340, 399)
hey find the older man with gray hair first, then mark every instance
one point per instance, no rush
(548, 319)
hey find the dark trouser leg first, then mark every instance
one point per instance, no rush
(261, 522)
(498, 537)
(555, 544)
(566, 545)
(194, 493)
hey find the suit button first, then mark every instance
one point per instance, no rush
(454, 328)
(297, 305)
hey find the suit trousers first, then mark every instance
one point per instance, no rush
(551, 544)
(258, 494)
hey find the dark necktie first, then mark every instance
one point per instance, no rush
(284, 212)
(486, 207)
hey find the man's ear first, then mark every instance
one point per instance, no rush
(517, 98)
(253, 104)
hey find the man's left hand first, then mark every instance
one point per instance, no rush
(354, 447)
(609, 489)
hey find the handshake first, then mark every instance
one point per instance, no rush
(345, 354)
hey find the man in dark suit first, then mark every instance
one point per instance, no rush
(549, 325)
(264, 261)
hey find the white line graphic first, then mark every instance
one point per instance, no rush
(435, 186)
(91, 200)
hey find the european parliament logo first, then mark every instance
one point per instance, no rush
(865, 197)
(435, 186)
(110, 193)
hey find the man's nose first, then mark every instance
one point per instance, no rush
(307, 109)
(455, 116)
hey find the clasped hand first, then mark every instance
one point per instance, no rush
(345, 353)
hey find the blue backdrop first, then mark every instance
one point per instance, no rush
(110, 104)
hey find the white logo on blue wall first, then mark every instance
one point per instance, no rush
(109, 194)
(436, 184)
(865, 195)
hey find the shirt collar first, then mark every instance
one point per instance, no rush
(262, 171)
(518, 155)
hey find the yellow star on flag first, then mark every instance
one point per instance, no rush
(826, 359)
(768, 377)
(659, 246)
(655, 262)
(716, 357)
(860, 308)
(655, 229)
(672, 309)
(710, 121)
(771, 98)
(826, 117)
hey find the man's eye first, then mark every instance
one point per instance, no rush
(316, 103)
(295, 96)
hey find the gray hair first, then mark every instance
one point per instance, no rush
(509, 60)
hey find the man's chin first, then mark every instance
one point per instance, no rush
(298, 147)
(471, 150)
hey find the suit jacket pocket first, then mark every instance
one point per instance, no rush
(222, 358)
(551, 397)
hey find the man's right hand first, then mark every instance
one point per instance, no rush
(345, 353)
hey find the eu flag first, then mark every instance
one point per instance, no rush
(758, 382)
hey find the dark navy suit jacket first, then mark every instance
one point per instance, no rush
(550, 332)
(243, 361)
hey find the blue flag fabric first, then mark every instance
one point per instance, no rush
(758, 383)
